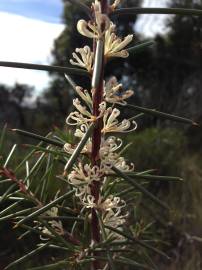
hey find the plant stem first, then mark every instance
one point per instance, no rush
(96, 142)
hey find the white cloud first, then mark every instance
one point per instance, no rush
(149, 25)
(26, 40)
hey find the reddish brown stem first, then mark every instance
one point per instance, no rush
(96, 142)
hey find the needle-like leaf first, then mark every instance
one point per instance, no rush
(140, 47)
(173, 11)
(27, 256)
(71, 71)
(55, 266)
(161, 114)
(155, 177)
(38, 137)
(137, 241)
(79, 148)
(45, 208)
(140, 187)
(2, 137)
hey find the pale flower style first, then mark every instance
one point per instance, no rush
(111, 209)
(121, 164)
(111, 203)
(85, 60)
(86, 97)
(94, 30)
(115, 4)
(113, 92)
(56, 225)
(114, 46)
(82, 176)
(69, 148)
(108, 154)
(83, 116)
(110, 145)
(111, 123)
(81, 131)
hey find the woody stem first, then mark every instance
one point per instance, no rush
(96, 139)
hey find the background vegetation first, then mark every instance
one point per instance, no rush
(167, 77)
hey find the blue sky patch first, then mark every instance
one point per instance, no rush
(49, 11)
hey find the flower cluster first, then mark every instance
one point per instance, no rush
(85, 60)
(55, 224)
(113, 92)
(114, 46)
(115, 4)
(85, 174)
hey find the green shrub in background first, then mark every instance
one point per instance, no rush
(157, 148)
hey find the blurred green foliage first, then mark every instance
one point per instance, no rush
(161, 78)
(157, 148)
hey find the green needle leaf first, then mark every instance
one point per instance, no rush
(162, 115)
(9, 208)
(2, 137)
(59, 265)
(10, 155)
(125, 261)
(27, 256)
(45, 208)
(140, 47)
(27, 157)
(8, 192)
(45, 150)
(73, 71)
(16, 214)
(79, 148)
(104, 235)
(155, 177)
(38, 137)
(173, 11)
(139, 242)
(141, 188)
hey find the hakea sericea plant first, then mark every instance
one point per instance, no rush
(98, 107)
(88, 221)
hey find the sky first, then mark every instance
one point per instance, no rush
(28, 29)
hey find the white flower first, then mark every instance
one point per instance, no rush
(69, 148)
(94, 29)
(110, 145)
(108, 150)
(114, 204)
(82, 176)
(83, 116)
(115, 4)
(111, 209)
(120, 163)
(109, 157)
(85, 60)
(80, 117)
(87, 29)
(111, 124)
(56, 225)
(112, 214)
(81, 131)
(114, 221)
(113, 92)
(114, 46)
(83, 93)
(76, 118)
